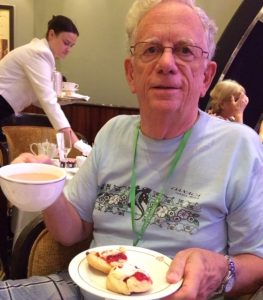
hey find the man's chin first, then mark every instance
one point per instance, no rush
(166, 105)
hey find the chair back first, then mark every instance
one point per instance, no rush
(47, 256)
(20, 137)
(36, 253)
(31, 119)
(26, 119)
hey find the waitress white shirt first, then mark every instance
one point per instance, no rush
(26, 79)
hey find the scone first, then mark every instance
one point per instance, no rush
(127, 279)
(105, 260)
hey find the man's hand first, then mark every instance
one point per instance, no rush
(31, 158)
(202, 271)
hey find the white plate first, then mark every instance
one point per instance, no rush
(154, 263)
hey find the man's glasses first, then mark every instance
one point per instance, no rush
(147, 51)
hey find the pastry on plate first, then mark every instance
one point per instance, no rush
(127, 279)
(107, 259)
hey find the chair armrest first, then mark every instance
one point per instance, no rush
(47, 256)
(22, 248)
(36, 252)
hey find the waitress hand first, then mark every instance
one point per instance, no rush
(70, 132)
(84, 148)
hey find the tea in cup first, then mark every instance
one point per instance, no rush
(69, 86)
(32, 187)
(46, 148)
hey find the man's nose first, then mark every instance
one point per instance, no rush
(167, 61)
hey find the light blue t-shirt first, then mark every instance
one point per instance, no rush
(213, 199)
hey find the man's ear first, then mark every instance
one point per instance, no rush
(208, 76)
(128, 65)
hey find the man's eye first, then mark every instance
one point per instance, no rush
(185, 50)
(151, 50)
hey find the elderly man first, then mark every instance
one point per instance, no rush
(173, 179)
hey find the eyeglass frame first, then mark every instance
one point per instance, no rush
(204, 54)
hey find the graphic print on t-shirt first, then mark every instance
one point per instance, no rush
(179, 212)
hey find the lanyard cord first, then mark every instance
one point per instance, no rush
(152, 208)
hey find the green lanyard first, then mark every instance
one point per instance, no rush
(152, 207)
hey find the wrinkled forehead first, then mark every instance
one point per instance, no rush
(171, 21)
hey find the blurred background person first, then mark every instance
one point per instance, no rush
(27, 75)
(259, 127)
(228, 100)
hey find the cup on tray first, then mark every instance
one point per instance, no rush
(69, 87)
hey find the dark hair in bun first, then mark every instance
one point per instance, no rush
(61, 24)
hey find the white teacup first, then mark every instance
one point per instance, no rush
(46, 148)
(32, 186)
(69, 86)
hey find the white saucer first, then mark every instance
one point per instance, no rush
(70, 91)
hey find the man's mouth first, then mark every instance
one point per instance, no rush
(165, 87)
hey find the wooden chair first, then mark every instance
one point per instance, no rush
(29, 119)
(14, 120)
(19, 138)
(36, 253)
(19, 131)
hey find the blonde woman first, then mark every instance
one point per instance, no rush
(259, 127)
(228, 100)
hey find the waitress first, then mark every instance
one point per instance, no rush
(26, 76)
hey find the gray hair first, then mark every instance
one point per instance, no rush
(140, 7)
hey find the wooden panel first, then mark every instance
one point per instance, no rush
(87, 119)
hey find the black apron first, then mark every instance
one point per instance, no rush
(5, 109)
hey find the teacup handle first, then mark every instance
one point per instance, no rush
(31, 148)
(76, 85)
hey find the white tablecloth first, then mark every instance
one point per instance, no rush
(20, 219)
